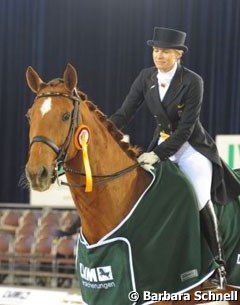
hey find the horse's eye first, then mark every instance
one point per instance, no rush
(66, 116)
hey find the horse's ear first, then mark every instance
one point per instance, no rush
(70, 77)
(33, 79)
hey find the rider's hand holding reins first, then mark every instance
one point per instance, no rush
(147, 160)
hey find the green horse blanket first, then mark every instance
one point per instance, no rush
(158, 247)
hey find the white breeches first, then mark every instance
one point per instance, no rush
(198, 170)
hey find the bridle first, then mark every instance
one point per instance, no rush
(62, 152)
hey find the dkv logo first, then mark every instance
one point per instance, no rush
(99, 274)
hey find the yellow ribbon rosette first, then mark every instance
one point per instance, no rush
(81, 140)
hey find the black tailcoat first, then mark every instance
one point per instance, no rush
(178, 114)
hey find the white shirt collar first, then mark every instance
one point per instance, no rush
(167, 76)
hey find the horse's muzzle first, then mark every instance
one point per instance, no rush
(39, 177)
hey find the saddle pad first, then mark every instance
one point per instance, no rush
(105, 272)
(229, 220)
(163, 233)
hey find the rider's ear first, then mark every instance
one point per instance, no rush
(33, 79)
(70, 77)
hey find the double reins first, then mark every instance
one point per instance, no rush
(106, 178)
(62, 151)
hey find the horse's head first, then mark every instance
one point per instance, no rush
(53, 118)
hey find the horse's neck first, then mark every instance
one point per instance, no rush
(105, 207)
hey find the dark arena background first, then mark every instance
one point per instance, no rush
(105, 40)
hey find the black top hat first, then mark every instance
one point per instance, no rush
(168, 39)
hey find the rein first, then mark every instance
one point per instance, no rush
(107, 178)
(62, 151)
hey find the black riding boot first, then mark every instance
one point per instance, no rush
(209, 226)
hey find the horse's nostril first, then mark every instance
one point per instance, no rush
(39, 177)
(43, 173)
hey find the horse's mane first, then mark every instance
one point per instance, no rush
(132, 151)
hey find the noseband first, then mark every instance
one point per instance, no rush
(62, 151)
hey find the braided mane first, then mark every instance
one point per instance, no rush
(131, 150)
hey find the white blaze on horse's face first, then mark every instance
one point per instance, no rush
(46, 106)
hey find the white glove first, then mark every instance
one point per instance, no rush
(147, 160)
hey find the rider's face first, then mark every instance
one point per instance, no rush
(164, 59)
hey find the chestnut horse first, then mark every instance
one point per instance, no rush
(54, 117)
